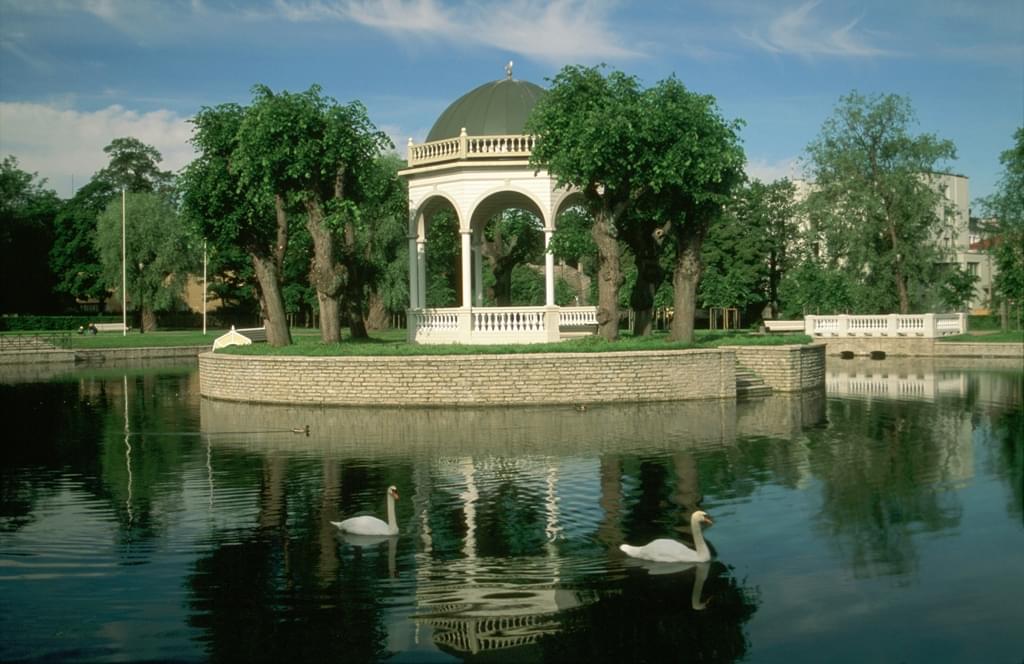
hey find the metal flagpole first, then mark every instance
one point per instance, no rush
(124, 274)
(204, 288)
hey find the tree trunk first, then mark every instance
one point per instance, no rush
(148, 319)
(685, 276)
(609, 276)
(377, 317)
(901, 291)
(275, 320)
(325, 274)
(648, 279)
(330, 318)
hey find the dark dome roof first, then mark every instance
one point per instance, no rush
(498, 107)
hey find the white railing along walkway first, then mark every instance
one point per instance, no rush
(927, 326)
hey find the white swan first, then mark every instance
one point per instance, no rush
(671, 551)
(371, 525)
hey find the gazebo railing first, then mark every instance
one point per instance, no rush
(470, 147)
(498, 325)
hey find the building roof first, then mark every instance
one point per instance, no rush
(495, 108)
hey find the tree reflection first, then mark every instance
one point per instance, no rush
(883, 466)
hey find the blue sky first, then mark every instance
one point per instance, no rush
(76, 74)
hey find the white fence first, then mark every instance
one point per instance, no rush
(927, 326)
(496, 325)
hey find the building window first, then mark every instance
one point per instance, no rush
(972, 268)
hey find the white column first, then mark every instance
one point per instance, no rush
(421, 272)
(549, 270)
(478, 275)
(467, 268)
(414, 273)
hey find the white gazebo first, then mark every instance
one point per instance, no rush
(475, 161)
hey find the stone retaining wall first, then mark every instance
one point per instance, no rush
(471, 380)
(487, 380)
(904, 347)
(784, 368)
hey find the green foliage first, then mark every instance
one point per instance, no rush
(443, 259)
(37, 323)
(27, 211)
(527, 287)
(73, 260)
(1006, 205)
(875, 210)
(133, 166)
(159, 248)
(511, 240)
(812, 287)
(957, 288)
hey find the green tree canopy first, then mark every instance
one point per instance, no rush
(748, 253)
(134, 166)
(27, 211)
(876, 207)
(160, 252)
(312, 151)
(234, 217)
(662, 154)
(1006, 205)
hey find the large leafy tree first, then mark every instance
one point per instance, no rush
(749, 252)
(236, 217)
(662, 154)
(692, 162)
(312, 151)
(587, 139)
(134, 166)
(875, 205)
(1006, 205)
(159, 252)
(27, 210)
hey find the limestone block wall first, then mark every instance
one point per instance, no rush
(909, 347)
(471, 380)
(791, 368)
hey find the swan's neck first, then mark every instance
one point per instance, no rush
(391, 513)
(703, 553)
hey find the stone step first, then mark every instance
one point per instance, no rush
(749, 384)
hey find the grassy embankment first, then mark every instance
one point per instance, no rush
(392, 342)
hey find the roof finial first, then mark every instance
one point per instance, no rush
(508, 70)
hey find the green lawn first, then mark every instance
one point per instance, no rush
(1012, 337)
(392, 343)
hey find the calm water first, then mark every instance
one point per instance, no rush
(880, 521)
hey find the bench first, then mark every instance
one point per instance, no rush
(784, 325)
(240, 337)
(112, 327)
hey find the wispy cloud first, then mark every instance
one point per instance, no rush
(59, 143)
(549, 31)
(801, 31)
(768, 171)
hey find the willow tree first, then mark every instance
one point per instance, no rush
(231, 215)
(310, 150)
(875, 200)
(159, 252)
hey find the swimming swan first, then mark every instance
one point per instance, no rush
(671, 551)
(371, 525)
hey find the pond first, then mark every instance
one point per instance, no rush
(878, 520)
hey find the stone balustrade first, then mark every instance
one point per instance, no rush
(470, 147)
(928, 326)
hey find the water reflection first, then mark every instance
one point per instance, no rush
(202, 530)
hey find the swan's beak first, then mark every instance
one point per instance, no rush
(395, 494)
(708, 520)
